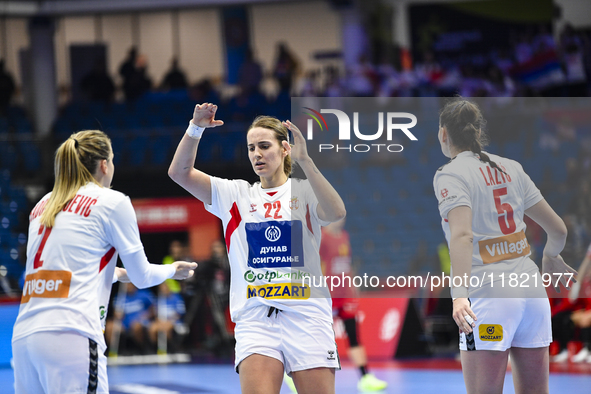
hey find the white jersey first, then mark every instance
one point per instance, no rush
(498, 201)
(70, 266)
(273, 240)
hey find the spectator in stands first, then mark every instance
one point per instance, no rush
(177, 251)
(98, 84)
(127, 70)
(170, 311)
(362, 78)
(133, 312)
(139, 83)
(210, 296)
(524, 48)
(580, 204)
(286, 67)
(250, 74)
(175, 78)
(306, 86)
(7, 88)
(203, 91)
(544, 41)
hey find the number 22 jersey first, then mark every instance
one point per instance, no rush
(273, 240)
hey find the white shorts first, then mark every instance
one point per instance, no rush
(298, 341)
(58, 362)
(509, 322)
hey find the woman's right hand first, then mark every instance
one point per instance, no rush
(204, 114)
(184, 269)
(555, 265)
(461, 310)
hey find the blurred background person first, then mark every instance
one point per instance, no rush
(168, 323)
(175, 78)
(134, 311)
(98, 84)
(286, 67)
(7, 88)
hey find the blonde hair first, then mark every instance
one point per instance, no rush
(281, 134)
(76, 160)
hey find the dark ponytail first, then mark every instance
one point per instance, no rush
(465, 126)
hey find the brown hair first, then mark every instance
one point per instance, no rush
(76, 160)
(465, 125)
(281, 134)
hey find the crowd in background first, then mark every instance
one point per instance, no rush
(176, 316)
(196, 311)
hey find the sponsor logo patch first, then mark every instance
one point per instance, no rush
(271, 275)
(275, 244)
(504, 248)
(46, 284)
(279, 291)
(490, 332)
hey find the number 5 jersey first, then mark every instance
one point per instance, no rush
(498, 200)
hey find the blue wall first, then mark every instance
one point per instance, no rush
(8, 315)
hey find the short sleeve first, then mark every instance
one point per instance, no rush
(451, 192)
(223, 194)
(121, 229)
(312, 202)
(531, 194)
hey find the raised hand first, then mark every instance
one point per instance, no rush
(184, 269)
(299, 151)
(204, 115)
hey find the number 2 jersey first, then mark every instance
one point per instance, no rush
(272, 238)
(498, 201)
(70, 267)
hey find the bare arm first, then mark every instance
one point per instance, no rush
(182, 169)
(544, 215)
(460, 252)
(331, 207)
(552, 262)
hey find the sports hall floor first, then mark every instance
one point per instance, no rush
(418, 376)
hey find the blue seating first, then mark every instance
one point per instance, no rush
(31, 155)
(8, 156)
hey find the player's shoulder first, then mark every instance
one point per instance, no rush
(459, 166)
(104, 196)
(458, 163)
(238, 183)
(504, 160)
(44, 198)
(110, 194)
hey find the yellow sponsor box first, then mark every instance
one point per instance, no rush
(278, 291)
(490, 332)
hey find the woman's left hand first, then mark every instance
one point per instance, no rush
(299, 151)
(122, 275)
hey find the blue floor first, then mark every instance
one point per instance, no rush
(193, 379)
